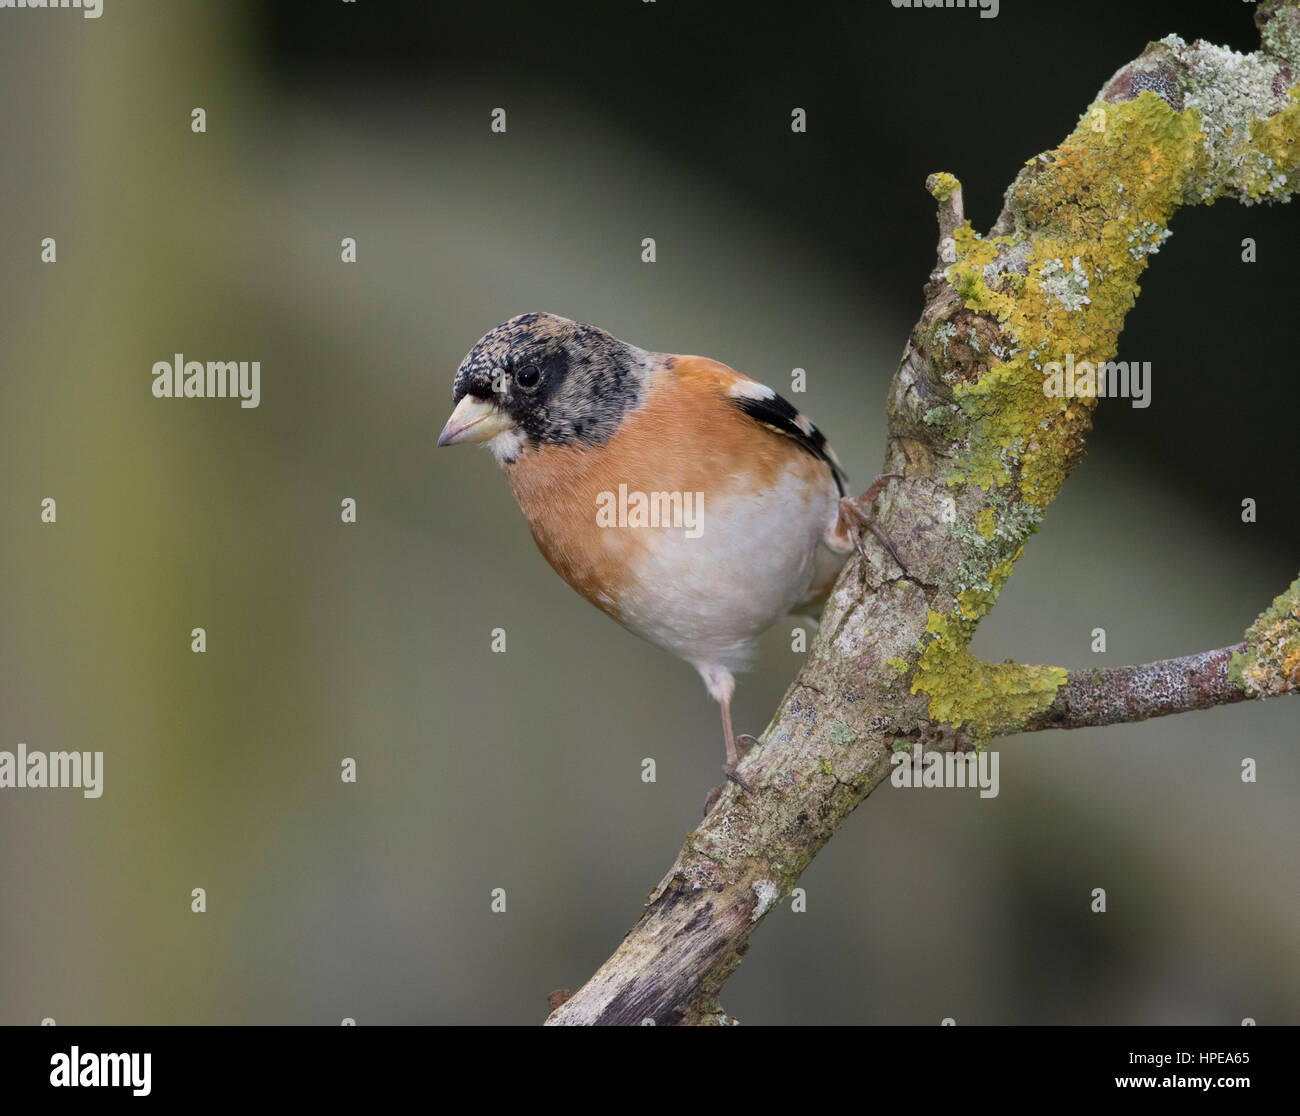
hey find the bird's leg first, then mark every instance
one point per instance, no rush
(854, 510)
(721, 685)
(733, 753)
(734, 756)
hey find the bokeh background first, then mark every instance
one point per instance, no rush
(522, 770)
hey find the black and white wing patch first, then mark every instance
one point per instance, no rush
(763, 405)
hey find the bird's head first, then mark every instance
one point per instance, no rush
(542, 379)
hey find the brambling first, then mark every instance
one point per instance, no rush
(690, 503)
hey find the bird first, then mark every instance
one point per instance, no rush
(690, 503)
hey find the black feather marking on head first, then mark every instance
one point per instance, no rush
(588, 378)
(780, 415)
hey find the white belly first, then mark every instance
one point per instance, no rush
(706, 599)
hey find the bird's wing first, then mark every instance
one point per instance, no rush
(761, 404)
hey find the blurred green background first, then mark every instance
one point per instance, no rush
(522, 770)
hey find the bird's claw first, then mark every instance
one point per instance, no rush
(729, 770)
(855, 511)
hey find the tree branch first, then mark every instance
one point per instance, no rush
(1118, 695)
(1264, 664)
(984, 450)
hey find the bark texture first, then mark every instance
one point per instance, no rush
(983, 450)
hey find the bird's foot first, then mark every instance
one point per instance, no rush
(855, 511)
(729, 770)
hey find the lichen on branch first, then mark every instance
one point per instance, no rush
(1054, 282)
(983, 450)
(1270, 664)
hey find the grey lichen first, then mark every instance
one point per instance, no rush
(768, 893)
(1004, 529)
(944, 334)
(940, 416)
(1147, 239)
(1069, 286)
(1279, 34)
(1272, 182)
(1230, 92)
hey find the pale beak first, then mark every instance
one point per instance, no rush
(474, 420)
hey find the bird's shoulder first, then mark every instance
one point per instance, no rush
(715, 387)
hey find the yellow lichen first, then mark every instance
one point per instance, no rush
(1271, 663)
(1081, 214)
(1089, 216)
(982, 696)
(942, 185)
(965, 691)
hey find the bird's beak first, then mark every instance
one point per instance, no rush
(474, 420)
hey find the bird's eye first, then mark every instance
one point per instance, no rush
(528, 377)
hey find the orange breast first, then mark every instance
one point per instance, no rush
(686, 437)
